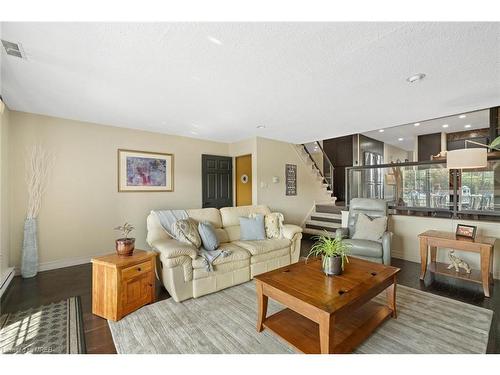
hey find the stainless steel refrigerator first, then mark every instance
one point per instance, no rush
(373, 179)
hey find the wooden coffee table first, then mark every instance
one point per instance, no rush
(326, 314)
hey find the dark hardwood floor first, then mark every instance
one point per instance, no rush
(52, 286)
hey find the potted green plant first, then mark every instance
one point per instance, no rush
(334, 252)
(125, 246)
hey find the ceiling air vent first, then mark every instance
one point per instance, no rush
(13, 49)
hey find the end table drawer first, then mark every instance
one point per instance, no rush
(138, 269)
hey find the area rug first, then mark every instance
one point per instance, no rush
(56, 328)
(224, 322)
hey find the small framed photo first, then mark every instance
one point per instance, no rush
(468, 231)
(145, 171)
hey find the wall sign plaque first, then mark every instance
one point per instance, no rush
(291, 179)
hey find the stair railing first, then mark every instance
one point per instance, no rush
(318, 156)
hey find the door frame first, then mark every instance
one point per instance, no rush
(235, 176)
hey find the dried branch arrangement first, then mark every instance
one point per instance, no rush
(38, 165)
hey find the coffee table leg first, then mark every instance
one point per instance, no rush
(262, 306)
(391, 298)
(326, 328)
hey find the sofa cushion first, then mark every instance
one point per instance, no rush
(208, 236)
(231, 215)
(369, 228)
(271, 255)
(237, 254)
(186, 231)
(212, 215)
(263, 246)
(364, 248)
(226, 269)
(252, 228)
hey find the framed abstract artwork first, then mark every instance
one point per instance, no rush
(145, 171)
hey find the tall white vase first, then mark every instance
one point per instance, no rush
(29, 262)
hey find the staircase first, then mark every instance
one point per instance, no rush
(325, 215)
(312, 154)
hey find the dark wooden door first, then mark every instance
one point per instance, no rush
(217, 180)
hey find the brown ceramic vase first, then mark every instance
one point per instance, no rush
(125, 246)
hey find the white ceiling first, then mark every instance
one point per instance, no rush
(303, 81)
(404, 136)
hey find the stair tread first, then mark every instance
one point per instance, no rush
(325, 219)
(330, 208)
(317, 231)
(322, 225)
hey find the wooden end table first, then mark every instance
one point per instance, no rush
(433, 240)
(326, 314)
(122, 284)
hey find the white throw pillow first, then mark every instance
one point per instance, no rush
(273, 223)
(369, 229)
(186, 230)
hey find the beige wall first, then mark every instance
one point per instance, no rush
(4, 188)
(271, 159)
(393, 153)
(82, 205)
(406, 229)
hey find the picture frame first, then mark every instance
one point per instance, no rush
(145, 171)
(290, 179)
(467, 231)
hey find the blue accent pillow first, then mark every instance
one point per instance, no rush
(208, 236)
(252, 229)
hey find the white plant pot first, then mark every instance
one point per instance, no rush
(29, 261)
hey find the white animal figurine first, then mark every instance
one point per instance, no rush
(457, 262)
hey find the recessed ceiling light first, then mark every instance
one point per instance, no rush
(462, 116)
(415, 78)
(401, 139)
(381, 131)
(214, 40)
(445, 125)
(416, 124)
(261, 127)
(467, 126)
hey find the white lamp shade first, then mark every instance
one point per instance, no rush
(467, 158)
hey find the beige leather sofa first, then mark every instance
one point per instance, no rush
(183, 272)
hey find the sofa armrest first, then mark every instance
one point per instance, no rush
(386, 247)
(290, 230)
(342, 233)
(170, 248)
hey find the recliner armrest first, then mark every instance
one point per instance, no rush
(290, 230)
(342, 233)
(171, 248)
(386, 247)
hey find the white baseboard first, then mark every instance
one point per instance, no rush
(61, 263)
(5, 279)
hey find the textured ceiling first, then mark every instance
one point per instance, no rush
(302, 81)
